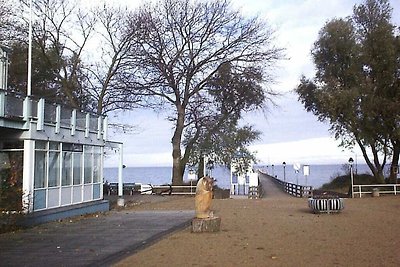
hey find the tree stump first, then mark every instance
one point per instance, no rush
(212, 224)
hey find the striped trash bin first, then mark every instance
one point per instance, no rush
(326, 204)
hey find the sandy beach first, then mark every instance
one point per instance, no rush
(280, 232)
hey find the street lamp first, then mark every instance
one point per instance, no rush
(351, 175)
(284, 171)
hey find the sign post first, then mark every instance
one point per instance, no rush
(297, 167)
(306, 172)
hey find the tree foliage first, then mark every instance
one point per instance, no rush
(356, 86)
(180, 46)
(220, 137)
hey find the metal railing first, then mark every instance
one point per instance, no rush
(293, 189)
(15, 106)
(131, 188)
(175, 189)
(381, 188)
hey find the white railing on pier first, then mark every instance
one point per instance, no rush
(292, 189)
(239, 189)
(382, 189)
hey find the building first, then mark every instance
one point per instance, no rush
(51, 156)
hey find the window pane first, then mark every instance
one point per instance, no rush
(54, 145)
(67, 168)
(96, 168)
(40, 144)
(40, 169)
(39, 199)
(72, 147)
(88, 166)
(77, 168)
(54, 169)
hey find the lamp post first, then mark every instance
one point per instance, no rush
(351, 175)
(284, 171)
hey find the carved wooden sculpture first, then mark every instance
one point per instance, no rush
(204, 195)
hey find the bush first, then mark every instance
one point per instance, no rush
(342, 182)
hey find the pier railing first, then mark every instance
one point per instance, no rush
(293, 189)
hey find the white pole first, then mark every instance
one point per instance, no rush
(352, 180)
(120, 201)
(29, 81)
(120, 166)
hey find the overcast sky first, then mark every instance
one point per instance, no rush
(290, 134)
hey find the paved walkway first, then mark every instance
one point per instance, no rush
(97, 241)
(271, 189)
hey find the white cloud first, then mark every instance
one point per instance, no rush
(323, 150)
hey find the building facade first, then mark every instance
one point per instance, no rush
(51, 156)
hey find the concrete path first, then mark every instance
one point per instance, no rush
(271, 189)
(97, 241)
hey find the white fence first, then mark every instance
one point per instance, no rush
(371, 188)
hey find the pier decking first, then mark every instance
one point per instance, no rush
(273, 187)
(270, 188)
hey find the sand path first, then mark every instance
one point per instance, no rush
(281, 231)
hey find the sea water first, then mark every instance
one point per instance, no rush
(318, 174)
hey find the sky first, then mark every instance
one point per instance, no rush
(289, 133)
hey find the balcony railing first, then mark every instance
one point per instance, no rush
(17, 107)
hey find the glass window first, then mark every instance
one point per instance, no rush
(40, 144)
(77, 167)
(13, 145)
(40, 169)
(72, 147)
(96, 168)
(88, 165)
(54, 169)
(54, 145)
(67, 168)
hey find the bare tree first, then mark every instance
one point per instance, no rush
(179, 47)
(110, 72)
(8, 21)
(79, 55)
(61, 31)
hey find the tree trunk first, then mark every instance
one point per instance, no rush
(378, 166)
(200, 172)
(375, 167)
(177, 175)
(395, 163)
